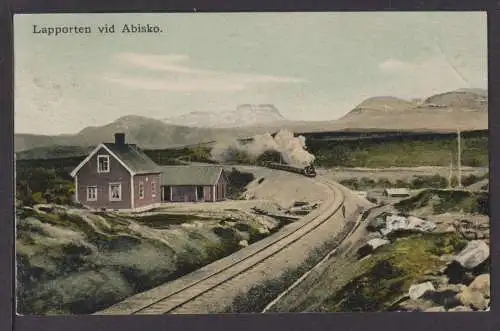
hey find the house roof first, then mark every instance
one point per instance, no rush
(129, 155)
(134, 158)
(190, 175)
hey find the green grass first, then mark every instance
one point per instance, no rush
(443, 201)
(165, 220)
(416, 183)
(387, 274)
(403, 151)
(374, 153)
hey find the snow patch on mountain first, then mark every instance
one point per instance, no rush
(244, 115)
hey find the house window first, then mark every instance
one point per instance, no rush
(102, 163)
(141, 190)
(153, 189)
(91, 193)
(115, 192)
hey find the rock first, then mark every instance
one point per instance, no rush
(449, 229)
(248, 196)
(473, 299)
(263, 230)
(481, 284)
(44, 208)
(416, 305)
(445, 296)
(457, 288)
(438, 309)
(394, 222)
(377, 242)
(446, 258)
(416, 291)
(475, 253)
(460, 309)
(370, 246)
(243, 243)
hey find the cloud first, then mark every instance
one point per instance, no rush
(172, 85)
(178, 75)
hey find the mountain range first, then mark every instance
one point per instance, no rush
(252, 115)
(465, 109)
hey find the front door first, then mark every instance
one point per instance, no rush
(200, 193)
(165, 193)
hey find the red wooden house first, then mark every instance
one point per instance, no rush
(119, 176)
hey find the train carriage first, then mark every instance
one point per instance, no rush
(308, 171)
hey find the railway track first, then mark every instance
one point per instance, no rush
(299, 281)
(176, 298)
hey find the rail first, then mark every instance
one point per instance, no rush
(195, 289)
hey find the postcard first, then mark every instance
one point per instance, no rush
(201, 163)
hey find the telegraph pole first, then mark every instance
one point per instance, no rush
(450, 175)
(459, 164)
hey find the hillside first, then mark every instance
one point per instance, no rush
(146, 132)
(446, 112)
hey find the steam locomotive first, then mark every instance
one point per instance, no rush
(308, 171)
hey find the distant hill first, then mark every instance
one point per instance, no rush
(244, 115)
(146, 132)
(473, 100)
(464, 109)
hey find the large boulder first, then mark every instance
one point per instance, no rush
(377, 242)
(473, 299)
(418, 290)
(481, 284)
(396, 222)
(475, 253)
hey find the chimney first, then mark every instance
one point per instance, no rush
(119, 138)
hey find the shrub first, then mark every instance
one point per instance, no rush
(38, 198)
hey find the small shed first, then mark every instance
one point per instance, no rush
(189, 183)
(396, 192)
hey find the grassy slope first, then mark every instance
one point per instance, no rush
(442, 201)
(400, 152)
(387, 274)
(77, 263)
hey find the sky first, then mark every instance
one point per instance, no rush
(311, 66)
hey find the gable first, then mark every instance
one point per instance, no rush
(223, 178)
(101, 149)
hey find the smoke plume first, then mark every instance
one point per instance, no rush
(292, 149)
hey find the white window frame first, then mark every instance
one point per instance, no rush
(103, 156)
(111, 192)
(153, 188)
(141, 185)
(89, 189)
